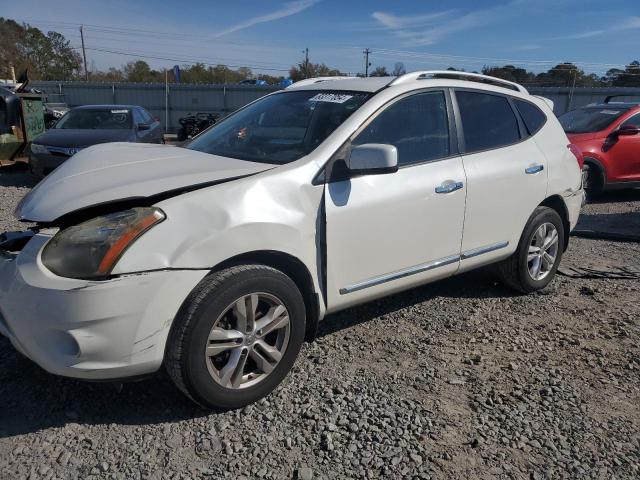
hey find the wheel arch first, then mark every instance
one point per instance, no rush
(556, 203)
(595, 162)
(295, 269)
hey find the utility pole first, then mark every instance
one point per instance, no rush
(306, 62)
(84, 55)
(366, 61)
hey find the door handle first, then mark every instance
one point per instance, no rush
(449, 186)
(534, 169)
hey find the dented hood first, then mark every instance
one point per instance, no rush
(121, 171)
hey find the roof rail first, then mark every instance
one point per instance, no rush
(310, 81)
(455, 75)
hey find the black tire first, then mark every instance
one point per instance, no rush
(185, 360)
(182, 134)
(514, 271)
(593, 180)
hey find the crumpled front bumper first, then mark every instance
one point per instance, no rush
(91, 330)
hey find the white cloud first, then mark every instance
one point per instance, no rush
(289, 8)
(587, 34)
(394, 22)
(427, 29)
(631, 23)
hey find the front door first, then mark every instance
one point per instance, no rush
(392, 231)
(625, 154)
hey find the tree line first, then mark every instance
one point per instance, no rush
(561, 75)
(50, 56)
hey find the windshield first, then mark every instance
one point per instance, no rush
(98, 118)
(589, 120)
(280, 128)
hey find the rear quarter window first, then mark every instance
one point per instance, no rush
(532, 116)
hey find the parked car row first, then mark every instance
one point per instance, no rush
(607, 134)
(82, 127)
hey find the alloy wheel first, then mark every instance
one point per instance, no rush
(248, 340)
(543, 251)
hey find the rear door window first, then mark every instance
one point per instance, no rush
(532, 116)
(487, 121)
(416, 125)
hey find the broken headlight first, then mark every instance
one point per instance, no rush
(91, 249)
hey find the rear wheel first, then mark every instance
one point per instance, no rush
(534, 264)
(237, 336)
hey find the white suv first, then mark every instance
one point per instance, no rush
(219, 259)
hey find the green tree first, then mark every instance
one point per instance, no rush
(301, 71)
(47, 56)
(271, 79)
(197, 73)
(630, 77)
(510, 73)
(562, 75)
(137, 71)
(379, 72)
(398, 69)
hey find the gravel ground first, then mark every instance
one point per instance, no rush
(459, 379)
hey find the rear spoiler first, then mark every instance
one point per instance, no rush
(546, 100)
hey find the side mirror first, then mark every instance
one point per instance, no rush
(623, 131)
(143, 126)
(626, 130)
(373, 159)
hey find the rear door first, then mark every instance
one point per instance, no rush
(389, 232)
(625, 154)
(506, 175)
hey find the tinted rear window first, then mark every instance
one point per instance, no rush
(531, 115)
(487, 120)
(590, 120)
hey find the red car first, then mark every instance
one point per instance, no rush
(608, 136)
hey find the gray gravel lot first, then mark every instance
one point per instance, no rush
(459, 379)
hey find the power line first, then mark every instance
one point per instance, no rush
(411, 54)
(173, 59)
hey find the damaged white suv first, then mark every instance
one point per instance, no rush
(217, 260)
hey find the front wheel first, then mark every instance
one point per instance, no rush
(535, 262)
(593, 181)
(236, 337)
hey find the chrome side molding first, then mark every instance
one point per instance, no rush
(399, 274)
(481, 250)
(388, 277)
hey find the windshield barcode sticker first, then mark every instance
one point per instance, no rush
(330, 97)
(119, 111)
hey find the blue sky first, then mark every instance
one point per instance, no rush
(269, 36)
